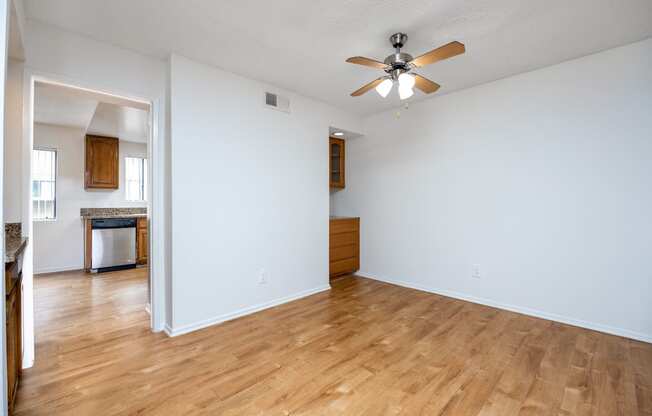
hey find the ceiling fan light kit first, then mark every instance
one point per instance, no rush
(405, 92)
(398, 66)
(385, 87)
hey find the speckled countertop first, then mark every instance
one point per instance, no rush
(14, 241)
(95, 213)
(13, 247)
(100, 216)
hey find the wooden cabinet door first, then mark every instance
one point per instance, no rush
(14, 356)
(344, 244)
(336, 172)
(102, 165)
(141, 243)
(11, 348)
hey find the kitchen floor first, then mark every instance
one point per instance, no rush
(365, 347)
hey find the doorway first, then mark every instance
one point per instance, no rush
(44, 200)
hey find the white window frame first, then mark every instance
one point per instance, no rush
(56, 179)
(143, 185)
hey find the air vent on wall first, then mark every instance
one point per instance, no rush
(277, 102)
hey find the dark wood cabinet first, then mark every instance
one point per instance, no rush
(141, 241)
(13, 298)
(336, 171)
(344, 254)
(102, 164)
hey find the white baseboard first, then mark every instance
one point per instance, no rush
(173, 332)
(639, 336)
(58, 269)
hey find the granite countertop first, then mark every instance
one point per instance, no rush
(128, 212)
(100, 216)
(13, 247)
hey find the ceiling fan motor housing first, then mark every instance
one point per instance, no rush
(398, 62)
(398, 40)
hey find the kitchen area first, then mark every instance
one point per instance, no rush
(89, 181)
(344, 231)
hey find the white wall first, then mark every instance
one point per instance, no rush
(55, 51)
(59, 244)
(12, 198)
(543, 179)
(249, 191)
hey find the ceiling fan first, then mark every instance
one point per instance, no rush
(398, 66)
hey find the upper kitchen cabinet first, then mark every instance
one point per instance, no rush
(336, 163)
(102, 165)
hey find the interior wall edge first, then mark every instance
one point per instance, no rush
(608, 329)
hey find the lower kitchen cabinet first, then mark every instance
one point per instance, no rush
(344, 243)
(13, 298)
(141, 241)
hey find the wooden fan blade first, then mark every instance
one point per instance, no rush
(372, 84)
(443, 52)
(424, 84)
(361, 60)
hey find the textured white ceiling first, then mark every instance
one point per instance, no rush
(90, 111)
(301, 45)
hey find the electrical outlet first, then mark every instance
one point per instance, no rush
(262, 277)
(475, 271)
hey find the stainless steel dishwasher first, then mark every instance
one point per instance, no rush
(114, 244)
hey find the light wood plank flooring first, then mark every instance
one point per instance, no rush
(364, 348)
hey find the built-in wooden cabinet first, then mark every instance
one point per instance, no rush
(102, 164)
(336, 171)
(344, 244)
(141, 241)
(88, 244)
(13, 284)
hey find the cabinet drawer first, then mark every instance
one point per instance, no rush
(344, 266)
(344, 225)
(344, 252)
(343, 239)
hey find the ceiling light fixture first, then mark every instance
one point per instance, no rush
(405, 92)
(405, 85)
(384, 87)
(338, 133)
(406, 80)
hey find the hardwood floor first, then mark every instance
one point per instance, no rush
(364, 348)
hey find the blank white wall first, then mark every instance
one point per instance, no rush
(543, 179)
(55, 51)
(12, 197)
(59, 244)
(249, 192)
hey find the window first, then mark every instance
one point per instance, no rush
(44, 178)
(136, 178)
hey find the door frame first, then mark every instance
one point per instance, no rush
(155, 198)
(4, 38)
